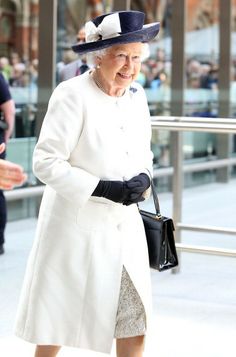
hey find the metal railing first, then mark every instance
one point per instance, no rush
(178, 124)
(21, 193)
(219, 125)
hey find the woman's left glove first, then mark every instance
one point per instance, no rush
(138, 185)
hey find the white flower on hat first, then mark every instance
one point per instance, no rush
(108, 28)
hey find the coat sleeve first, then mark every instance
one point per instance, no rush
(60, 133)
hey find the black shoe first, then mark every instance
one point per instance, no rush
(2, 251)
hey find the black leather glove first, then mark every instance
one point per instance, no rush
(126, 192)
(137, 185)
(116, 191)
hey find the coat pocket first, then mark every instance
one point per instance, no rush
(95, 216)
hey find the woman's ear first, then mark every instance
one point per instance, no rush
(98, 61)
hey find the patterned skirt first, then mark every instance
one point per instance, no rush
(131, 317)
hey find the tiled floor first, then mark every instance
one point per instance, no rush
(194, 311)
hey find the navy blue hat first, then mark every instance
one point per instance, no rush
(116, 28)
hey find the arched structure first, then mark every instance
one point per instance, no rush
(19, 27)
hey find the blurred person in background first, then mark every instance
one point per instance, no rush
(210, 79)
(145, 75)
(77, 67)
(19, 77)
(15, 58)
(5, 68)
(33, 72)
(7, 113)
(193, 66)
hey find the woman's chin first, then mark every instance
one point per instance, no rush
(124, 82)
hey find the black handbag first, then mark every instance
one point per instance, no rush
(160, 237)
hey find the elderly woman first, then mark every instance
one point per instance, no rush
(88, 278)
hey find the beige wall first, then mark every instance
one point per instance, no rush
(19, 27)
(201, 13)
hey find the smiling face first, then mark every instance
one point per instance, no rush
(120, 66)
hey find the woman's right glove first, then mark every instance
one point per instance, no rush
(126, 192)
(137, 186)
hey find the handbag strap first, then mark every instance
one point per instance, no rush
(155, 199)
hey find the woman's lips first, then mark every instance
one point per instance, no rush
(125, 76)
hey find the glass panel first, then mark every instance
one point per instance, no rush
(233, 52)
(202, 56)
(199, 151)
(155, 74)
(201, 92)
(233, 71)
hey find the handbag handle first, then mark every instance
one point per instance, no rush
(155, 199)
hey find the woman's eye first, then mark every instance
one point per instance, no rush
(121, 55)
(136, 58)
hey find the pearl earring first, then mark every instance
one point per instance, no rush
(98, 66)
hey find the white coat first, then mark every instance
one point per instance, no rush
(71, 288)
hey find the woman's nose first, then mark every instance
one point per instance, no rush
(129, 62)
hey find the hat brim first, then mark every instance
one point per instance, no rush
(146, 34)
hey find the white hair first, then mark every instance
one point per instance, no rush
(91, 57)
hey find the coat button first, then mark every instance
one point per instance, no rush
(119, 227)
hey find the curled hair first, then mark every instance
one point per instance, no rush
(91, 57)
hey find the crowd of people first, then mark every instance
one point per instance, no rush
(202, 74)
(19, 73)
(155, 71)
